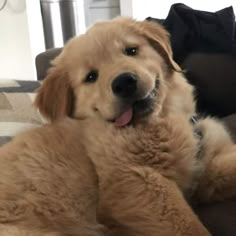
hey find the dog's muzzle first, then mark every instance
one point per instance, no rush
(134, 105)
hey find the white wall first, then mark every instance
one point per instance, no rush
(35, 32)
(140, 9)
(15, 55)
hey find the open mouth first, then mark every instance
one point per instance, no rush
(137, 109)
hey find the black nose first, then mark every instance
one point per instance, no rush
(124, 85)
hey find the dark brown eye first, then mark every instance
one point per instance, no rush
(91, 76)
(131, 51)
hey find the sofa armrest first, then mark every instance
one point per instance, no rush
(43, 61)
(230, 123)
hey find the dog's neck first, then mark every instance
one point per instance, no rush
(179, 97)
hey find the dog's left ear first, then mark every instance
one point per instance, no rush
(159, 39)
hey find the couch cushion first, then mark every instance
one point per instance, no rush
(230, 123)
(43, 61)
(214, 77)
(219, 218)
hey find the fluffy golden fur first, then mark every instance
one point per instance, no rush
(85, 176)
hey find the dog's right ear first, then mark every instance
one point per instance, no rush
(55, 97)
(158, 37)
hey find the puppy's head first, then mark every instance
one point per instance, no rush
(117, 71)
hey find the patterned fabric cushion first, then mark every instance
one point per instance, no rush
(17, 112)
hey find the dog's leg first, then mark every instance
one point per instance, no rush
(144, 203)
(219, 180)
(219, 152)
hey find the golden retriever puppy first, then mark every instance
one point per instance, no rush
(120, 80)
(121, 77)
(128, 154)
(119, 161)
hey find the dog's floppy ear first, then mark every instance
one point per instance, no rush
(55, 97)
(159, 39)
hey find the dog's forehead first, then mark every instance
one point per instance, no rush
(107, 27)
(112, 32)
(104, 38)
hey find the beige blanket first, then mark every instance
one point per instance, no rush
(17, 112)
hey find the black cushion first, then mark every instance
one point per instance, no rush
(214, 77)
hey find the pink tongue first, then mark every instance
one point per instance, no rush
(125, 118)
